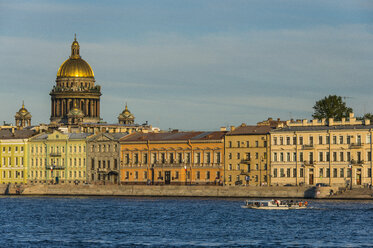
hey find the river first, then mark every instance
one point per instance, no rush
(179, 222)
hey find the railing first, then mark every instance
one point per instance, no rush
(357, 162)
(55, 154)
(61, 167)
(308, 147)
(356, 145)
(309, 163)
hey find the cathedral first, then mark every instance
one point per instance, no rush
(75, 98)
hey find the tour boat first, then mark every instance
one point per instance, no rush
(275, 204)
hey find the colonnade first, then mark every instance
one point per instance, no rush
(61, 107)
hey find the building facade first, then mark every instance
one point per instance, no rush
(247, 156)
(57, 158)
(23, 117)
(172, 158)
(322, 151)
(75, 89)
(14, 155)
(103, 158)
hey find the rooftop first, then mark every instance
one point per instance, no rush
(175, 136)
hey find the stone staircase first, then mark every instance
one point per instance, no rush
(354, 193)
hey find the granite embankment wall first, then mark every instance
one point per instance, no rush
(170, 191)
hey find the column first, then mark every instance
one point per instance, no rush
(91, 108)
(98, 108)
(86, 108)
(58, 108)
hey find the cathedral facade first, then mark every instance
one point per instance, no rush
(75, 92)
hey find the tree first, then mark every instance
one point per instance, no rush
(331, 106)
(366, 116)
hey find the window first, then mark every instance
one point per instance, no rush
(288, 156)
(282, 174)
(288, 172)
(265, 143)
(136, 175)
(145, 158)
(327, 140)
(301, 156)
(230, 155)
(230, 144)
(288, 140)
(217, 157)
(321, 172)
(179, 157)
(341, 156)
(247, 144)
(230, 167)
(256, 143)
(348, 156)
(320, 140)
(171, 157)
(334, 140)
(301, 172)
(342, 172)
(340, 139)
(256, 155)
(348, 139)
(294, 156)
(281, 140)
(163, 158)
(230, 178)
(275, 140)
(334, 156)
(335, 172)
(369, 172)
(295, 172)
(369, 156)
(311, 140)
(188, 157)
(274, 172)
(358, 139)
(198, 160)
(359, 156)
(349, 172)
(208, 175)
(327, 172)
(320, 156)
(301, 140)
(238, 155)
(311, 157)
(176, 175)
(198, 176)
(274, 156)
(294, 140)
(368, 139)
(238, 143)
(281, 156)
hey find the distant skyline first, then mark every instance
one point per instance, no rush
(191, 65)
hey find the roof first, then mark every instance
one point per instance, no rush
(72, 136)
(18, 134)
(323, 128)
(251, 130)
(112, 136)
(175, 136)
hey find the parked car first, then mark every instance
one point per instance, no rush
(322, 185)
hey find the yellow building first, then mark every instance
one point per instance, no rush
(322, 151)
(172, 158)
(246, 156)
(58, 158)
(13, 155)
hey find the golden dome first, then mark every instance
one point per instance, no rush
(75, 66)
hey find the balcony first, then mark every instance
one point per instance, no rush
(356, 145)
(357, 162)
(55, 154)
(245, 161)
(309, 163)
(308, 147)
(55, 167)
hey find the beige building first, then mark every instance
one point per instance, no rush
(246, 155)
(322, 151)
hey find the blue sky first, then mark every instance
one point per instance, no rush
(191, 65)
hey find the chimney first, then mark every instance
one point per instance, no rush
(223, 129)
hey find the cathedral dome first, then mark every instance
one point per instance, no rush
(75, 66)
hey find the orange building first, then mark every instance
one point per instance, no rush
(172, 158)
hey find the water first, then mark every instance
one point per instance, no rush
(179, 222)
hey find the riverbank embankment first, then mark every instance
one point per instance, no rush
(171, 191)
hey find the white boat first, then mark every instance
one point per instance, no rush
(275, 204)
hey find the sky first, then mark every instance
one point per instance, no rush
(191, 65)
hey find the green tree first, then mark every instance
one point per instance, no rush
(368, 116)
(331, 106)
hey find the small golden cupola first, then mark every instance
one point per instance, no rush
(126, 117)
(23, 117)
